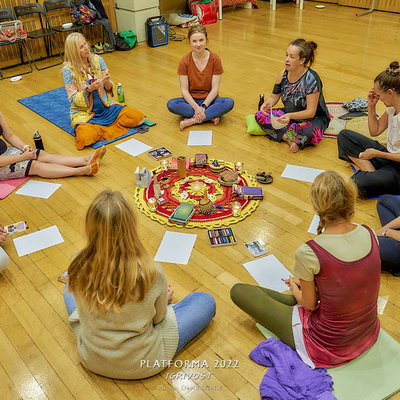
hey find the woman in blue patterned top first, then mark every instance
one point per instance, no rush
(305, 115)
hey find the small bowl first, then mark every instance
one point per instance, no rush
(67, 25)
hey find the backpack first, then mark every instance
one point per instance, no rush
(126, 40)
(83, 14)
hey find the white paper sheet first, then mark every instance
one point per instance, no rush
(133, 147)
(382, 301)
(200, 138)
(38, 240)
(38, 189)
(268, 272)
(314, 225)
(300, 173)
(175, 247)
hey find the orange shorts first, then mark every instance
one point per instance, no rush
(87, 134)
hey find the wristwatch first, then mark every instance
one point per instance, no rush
(204, 106)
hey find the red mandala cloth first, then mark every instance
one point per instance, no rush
(183, 190)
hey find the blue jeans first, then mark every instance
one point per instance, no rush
(388, 209)
(220, 106)
(193, 314)
(69, 300)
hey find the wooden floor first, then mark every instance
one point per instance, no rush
(37, 348)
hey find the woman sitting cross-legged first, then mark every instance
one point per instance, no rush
(200, 74)
(330, 317)
(388, 207)
(20, 160)
(118, 298)
(305, 116)
(94, 115)
(377, 166)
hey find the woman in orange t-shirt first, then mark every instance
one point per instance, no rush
(199, 77)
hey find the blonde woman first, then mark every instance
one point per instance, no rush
(94, 115)
(117, 298)
(200, 73)
(330, 317)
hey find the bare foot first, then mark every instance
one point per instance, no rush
(294, 147)
(187, 122)
(216, 120)
(355, 166)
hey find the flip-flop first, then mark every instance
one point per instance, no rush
(264, 178)
(98, 155)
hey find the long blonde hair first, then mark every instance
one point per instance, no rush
(73, 59)
(333, 196)
(114, 266)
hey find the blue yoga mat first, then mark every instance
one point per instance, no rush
(54, 106)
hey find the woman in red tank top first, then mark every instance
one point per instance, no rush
(330, 317)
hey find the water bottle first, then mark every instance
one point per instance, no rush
(261, 101)
(120, 92)
(38, 140)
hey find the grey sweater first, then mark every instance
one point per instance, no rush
(136, 342)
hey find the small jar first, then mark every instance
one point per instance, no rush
(236, 209)
(165, 165)
(239, 166)
(152, 203)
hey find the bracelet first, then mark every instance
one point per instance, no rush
(87, 91)
(204, 106)
(26, 147)
(385, 232)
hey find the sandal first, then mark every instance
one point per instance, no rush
(263, 177)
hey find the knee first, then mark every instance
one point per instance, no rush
(4, 259)
(229, 103)
(171, 104)
(236, 291)
(207, 302)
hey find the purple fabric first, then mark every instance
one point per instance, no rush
(288, 377)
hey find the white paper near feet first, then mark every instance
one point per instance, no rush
(200, 138)
(38, 189)
(268, 272)
(314, 225)
(300, 173)
(175, 247)
(133, 147)
(38, 240)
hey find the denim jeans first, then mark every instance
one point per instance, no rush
(220, 106)
(69, 300)
(193, 314)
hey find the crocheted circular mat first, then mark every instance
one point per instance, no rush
(191, 190)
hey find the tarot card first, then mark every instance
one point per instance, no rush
(256, 248)
(16, 228)
(159, 153)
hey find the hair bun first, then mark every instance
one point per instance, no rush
(394, 68)
(313, 45)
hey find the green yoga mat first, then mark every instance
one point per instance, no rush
(375, 375)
